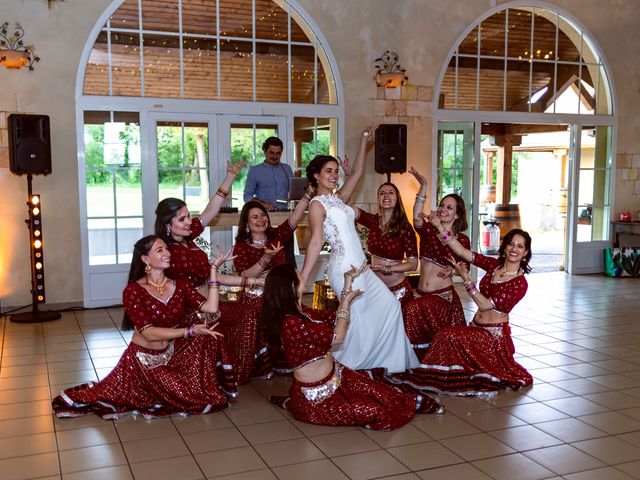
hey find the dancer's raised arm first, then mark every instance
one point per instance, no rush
(358, 165)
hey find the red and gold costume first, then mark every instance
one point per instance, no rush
(189, 261)
(192, 375)
(391, 247)
(344, 397)
(477, 358)
(430, 311)
(242, 329)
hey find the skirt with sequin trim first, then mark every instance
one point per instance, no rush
(469, 361)
(246, 337)
(427, 313)
(191, 376)
(403, 291)
(347, 397)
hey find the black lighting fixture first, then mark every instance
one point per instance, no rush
(34, 224)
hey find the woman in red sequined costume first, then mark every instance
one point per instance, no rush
(479, 358)
(325, 392)
(391, 239)
(437, 304)
(167, 368)
(176, 227)
(258, 248)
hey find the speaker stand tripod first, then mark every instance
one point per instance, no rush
(35, 315)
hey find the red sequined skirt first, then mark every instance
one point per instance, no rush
(347, 397)
(403, 291)
(468, 361)
(246, 337)
(424, 315)
(190, 376)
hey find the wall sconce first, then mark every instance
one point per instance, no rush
(13, 52)
(389, 72)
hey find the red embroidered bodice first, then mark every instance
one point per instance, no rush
(188, 261)
(305, 340)
(147, 311)
(504, 295)
(391, 247)
(433, 249)
(248, 255)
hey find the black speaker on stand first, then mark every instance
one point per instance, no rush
(391, 149)
(30, 154)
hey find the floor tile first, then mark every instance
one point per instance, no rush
(424, 455)
(612, 422)
(535, 412)
(198, 423)
(27, 445)
(267, 432)
(526, 437)
(119, 472)
(86, 437)
(476, 446)
(137, 428)
(402, 436)
(464, 471)
(92, 457)
(365, 465)
(316, 470)
(492, 419)
(444, 426)
(233, 460)
(183, 468)
(508, 467)
(564, 459)
(211, 440)
(608, 473)
(289, 451)
(32, 466)
(26, 426)
(155, 448)
(575, 406)
(570, 430)
(247, 416)
(263, 474)
(610, 450)
(344, 443)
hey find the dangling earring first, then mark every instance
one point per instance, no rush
(147, 269)
(168, 229)
(246, 229)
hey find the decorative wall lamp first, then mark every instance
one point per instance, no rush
(13, 52)
(389, 72)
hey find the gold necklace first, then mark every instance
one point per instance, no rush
(507, 273)
(158, 286)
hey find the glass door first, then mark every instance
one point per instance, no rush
(455, 167)
(241, 139)
(589, 212)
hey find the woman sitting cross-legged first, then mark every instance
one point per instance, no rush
(167, 369)
(479, 358)
(325, 392)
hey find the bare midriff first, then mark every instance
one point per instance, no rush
(389, 280)
(429, 279)
(316, 370)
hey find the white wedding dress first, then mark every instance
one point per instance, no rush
(376, 336)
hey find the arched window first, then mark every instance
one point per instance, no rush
(526, 59)
(260, 50)
(169, 91)
(518, 76)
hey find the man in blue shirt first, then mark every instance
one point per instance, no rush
(268, 181)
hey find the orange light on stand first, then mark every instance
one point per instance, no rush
(35, 200)
(37, 244)
(38, 265)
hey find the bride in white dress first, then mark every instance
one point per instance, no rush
(376, 336)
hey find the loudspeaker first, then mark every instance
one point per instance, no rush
(391, 148)
(29, 144)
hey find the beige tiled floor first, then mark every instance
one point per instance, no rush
(579, 337)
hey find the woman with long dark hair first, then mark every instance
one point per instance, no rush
(479, 358)
(258, 248)
(325, 392)
(437, 304)
(167, 368)
(175, 226)
(376, 337)
(391, 241)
